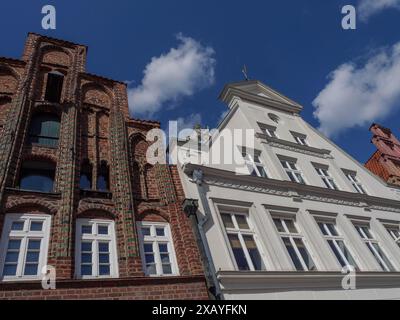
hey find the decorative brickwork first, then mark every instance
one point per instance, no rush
(96, 138)
(385, 162)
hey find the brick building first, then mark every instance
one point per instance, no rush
(385, 162)
(76, 191)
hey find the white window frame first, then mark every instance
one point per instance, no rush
(95, 238)
(300, 139)
(251, 162)
(154, 239)
(292, 236)
(369, 243)
(240, 233)
(25, 235)
(292, 172)
(335, 238)
(328, 180)
(357, 185)
(271, 132)
(394, 232)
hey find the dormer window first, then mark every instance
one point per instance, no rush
(301, 139)
(54, 87)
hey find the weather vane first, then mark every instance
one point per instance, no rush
(244, 71)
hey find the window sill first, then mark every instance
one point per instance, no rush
(23, 191)
(95, 194)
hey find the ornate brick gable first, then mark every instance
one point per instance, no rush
(96, 131)
(385, 162)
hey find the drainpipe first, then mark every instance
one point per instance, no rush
(190, 207)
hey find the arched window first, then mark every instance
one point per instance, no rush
(86, 175)
(103, 177)
(45, 129)
(54, 86)
(37, 176)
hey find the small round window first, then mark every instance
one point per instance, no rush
(274, 117)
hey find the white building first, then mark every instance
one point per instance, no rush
(307, 210)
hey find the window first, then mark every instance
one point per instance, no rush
(354, 181)
(54, 87)
(85, 182)
(294, 243)
(45, 129)
(242, 241)
(96, 252)
(157, 249)
(336, 243)
(326, 178)
(300, 139)
(292, 171)
(103, 177)
(37, 176)
(24, 246)
(373, 245)
(394, 233)
(254, 164)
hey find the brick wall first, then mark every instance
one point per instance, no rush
(95, 127)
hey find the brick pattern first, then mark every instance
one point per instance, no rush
(95, 127)
(385, 162)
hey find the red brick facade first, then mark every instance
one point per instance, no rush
(95, 130)
(385, 162)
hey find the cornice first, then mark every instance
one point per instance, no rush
(298, 192)
(291, 146)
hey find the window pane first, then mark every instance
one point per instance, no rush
(32, 256)
(36, 226)
(10, 270)
(103, 247)
(300, 178)
(164, 258)
(322, 227)
(86, 270)
(304, 254)
(279, 225)
(383, 257)
(227, 219)
(238, 252)
(262, 172)
(160, 232)
(86, 258)
(337, 254)
(148, 247)
(146, 231)
(367, 232)
(293, 254)
(12, 257)
(242, 222)
(87, 229)
(31, 269)
(86, 246)
(167, 269)
(104, 258)
(253, 252)
(149, 258)
(163, 247)
(151, 269)
(17, 226)
(34, 244)
(14, 244)
(347, 254)
(103, 230)
(104, 270)
(290, 225)
(332, 229)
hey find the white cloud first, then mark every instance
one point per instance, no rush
(359, 95)
(367, 8)
(172, 76)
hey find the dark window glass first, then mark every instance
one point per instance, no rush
(37, 176)
(45, 129)
(54, 87)
(238, 252)
(103, 180)
(85, 182)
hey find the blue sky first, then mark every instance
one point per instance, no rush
(290, 45)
